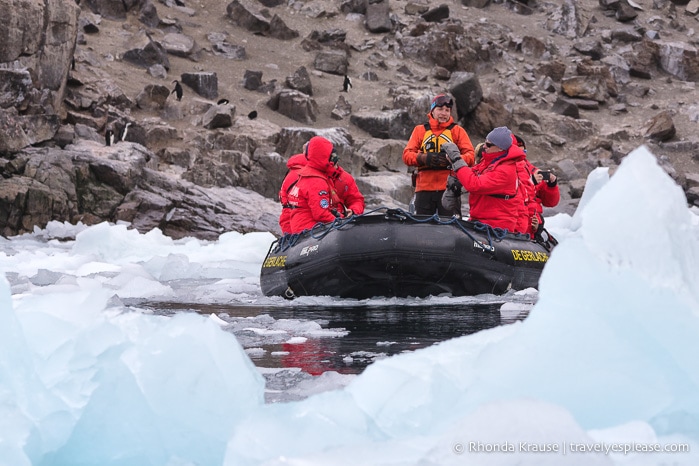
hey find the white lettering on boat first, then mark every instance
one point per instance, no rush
(479, 245)
(308, 250)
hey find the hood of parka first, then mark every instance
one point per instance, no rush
(319, 150)
(296, 161)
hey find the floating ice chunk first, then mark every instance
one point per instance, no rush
(297, 340)
(218, 321)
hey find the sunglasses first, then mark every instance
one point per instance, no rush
(488, 144)
(443, 101)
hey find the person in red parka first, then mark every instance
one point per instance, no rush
(351, 199)
(546, 194)
(424, 151)
(313, 198)
(295, 164)
(493, 184)
(527, 193)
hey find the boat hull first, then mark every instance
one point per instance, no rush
(398, 255)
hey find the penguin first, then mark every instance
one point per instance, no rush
(252, 115)
(124, 131)
(109, 137)
(177, 90)
(346, 84)
(222, 102)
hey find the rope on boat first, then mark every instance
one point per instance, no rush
(320, 230)
(497, 233)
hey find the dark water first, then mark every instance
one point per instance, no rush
(357, 336)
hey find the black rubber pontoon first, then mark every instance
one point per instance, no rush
(398, 254)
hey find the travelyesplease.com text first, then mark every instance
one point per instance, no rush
(569, 447)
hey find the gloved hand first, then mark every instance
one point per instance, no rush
(453, 184)
(451, 199)
(454, 155)
(451, 202)
(432, 160)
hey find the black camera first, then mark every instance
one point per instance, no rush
(545, 174)
(430, 147)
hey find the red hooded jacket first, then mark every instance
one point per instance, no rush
(345, 186)
(295, 164)
(347, 191)
(493, 186)
(542, 195)
(528, 192)
(313, 197)
(545, 195)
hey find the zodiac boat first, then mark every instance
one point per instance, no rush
(392, 253)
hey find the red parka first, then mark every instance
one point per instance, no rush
(436, 180)
(347, 191)
(547, 195)
(527, 192)
(345, 186)
(543, 195)
(295, 164)
(493, 186)
(313, 198)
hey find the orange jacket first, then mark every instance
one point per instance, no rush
(435, 180)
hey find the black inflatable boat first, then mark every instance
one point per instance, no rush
(390, 252)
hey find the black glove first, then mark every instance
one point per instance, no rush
(432, 160)
(453, 184)
(451, 199)
(454, 155)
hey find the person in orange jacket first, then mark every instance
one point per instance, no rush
(313, 198)
(495, 197)
(424, 151)
(351, 200)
